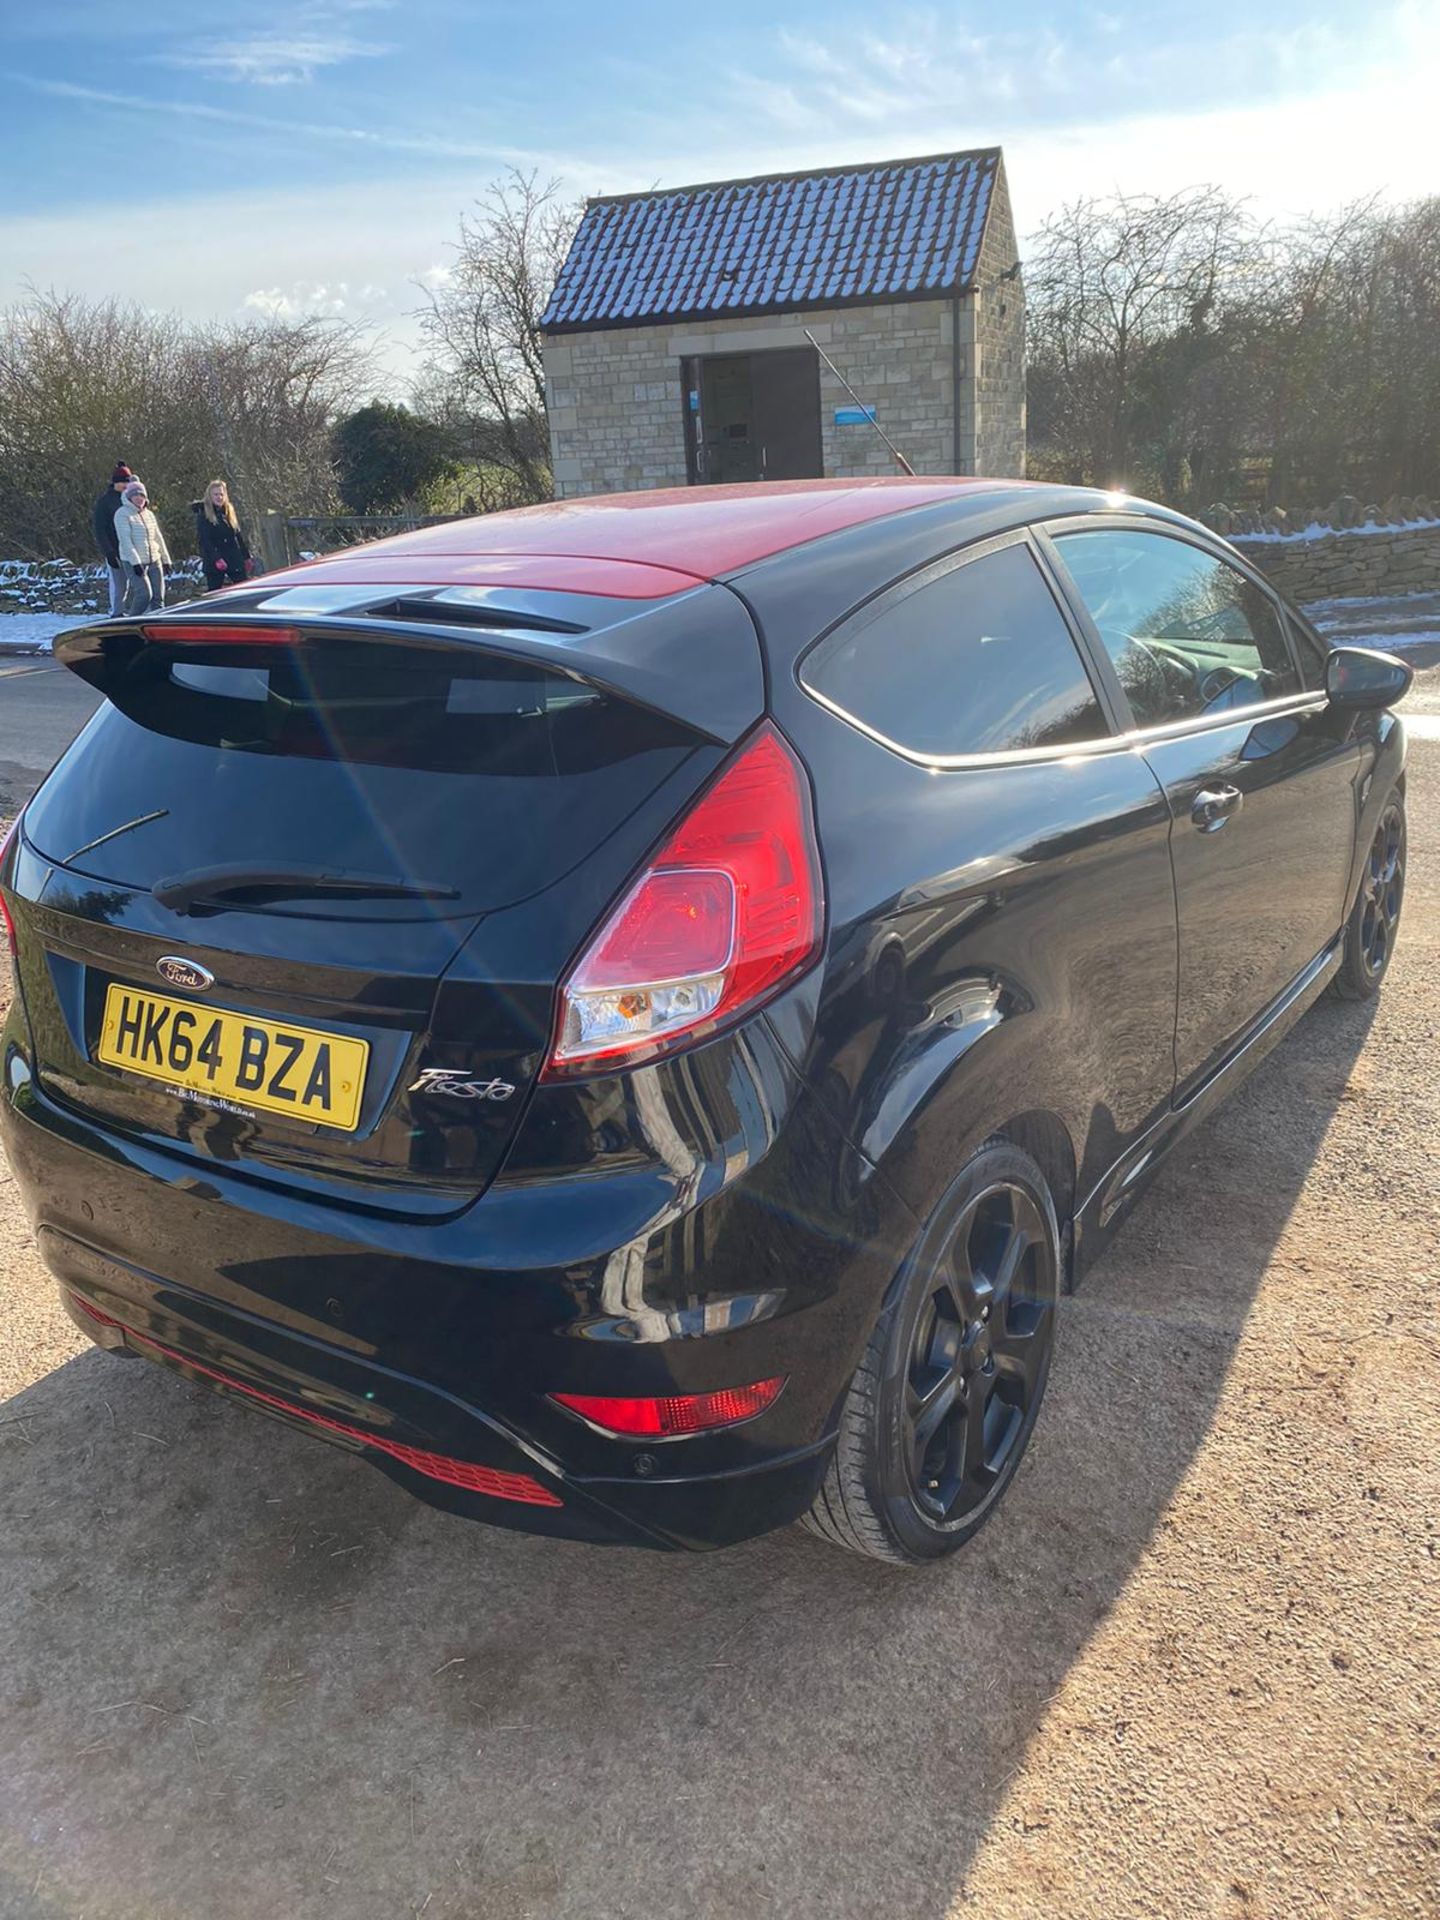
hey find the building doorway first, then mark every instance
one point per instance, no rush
(752, 416)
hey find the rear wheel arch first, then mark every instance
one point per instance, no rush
(1039, 1132)
(1046, 1138)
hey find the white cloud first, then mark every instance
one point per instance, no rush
(929, 65)
(290, 51)
(286, 254)
(433, 146)
(303, 297)
(280, 60)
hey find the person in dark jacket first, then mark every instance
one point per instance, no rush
(102, 523)
(224, 550)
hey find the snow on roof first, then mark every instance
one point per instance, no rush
(895, 230)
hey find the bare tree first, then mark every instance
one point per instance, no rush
(273, 394)
(1352, 378)
(485, 376)
(1181, 349)
(86, 383)
(1109, 281)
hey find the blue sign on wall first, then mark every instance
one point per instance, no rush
(854, 416)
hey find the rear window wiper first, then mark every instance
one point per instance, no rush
(202, 884)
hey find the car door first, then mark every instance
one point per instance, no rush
(1230, 715)
(1001, 908)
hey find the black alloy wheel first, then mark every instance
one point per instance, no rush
(944, 1401)
(1375, 920)
(979, 1353)
(1382, 889)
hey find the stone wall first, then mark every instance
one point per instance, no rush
(1342, 563)
(998, 312)
(898, 359)
(616, 406)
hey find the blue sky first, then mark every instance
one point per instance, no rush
(316, 156)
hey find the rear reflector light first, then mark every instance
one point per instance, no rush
(728, 910)
(220, 633)
(465, 1474)
(674, 1414)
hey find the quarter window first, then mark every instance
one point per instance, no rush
(977, 661)
(1188, 633)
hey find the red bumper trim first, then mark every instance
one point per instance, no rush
(435, 1466)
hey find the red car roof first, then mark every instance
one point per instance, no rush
(637, 546)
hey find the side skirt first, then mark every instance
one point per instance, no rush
(1107, 1206)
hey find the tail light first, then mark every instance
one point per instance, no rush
(671, 1415)
(7, 924)
(729, 909)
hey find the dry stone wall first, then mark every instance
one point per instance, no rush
(1336, 563)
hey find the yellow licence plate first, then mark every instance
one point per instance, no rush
(235, 1058)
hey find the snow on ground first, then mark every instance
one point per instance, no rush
(33, 632)
(1319, 530)
(1402, 621)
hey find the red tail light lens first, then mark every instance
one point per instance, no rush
(674, 1414)
(729, 909)
(220, 633)
(7, 925)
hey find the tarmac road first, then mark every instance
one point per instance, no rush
(42, 708)
(1191, 1669)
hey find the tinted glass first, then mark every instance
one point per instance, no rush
(1312, 651)
(1188, 633)
(462, 770)
(976, 661)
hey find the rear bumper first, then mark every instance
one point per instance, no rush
(431, 1348)
(451, 1455)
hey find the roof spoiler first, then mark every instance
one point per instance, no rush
(694, 656)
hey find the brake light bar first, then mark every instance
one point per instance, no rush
(670, 1415)
(729, 909)
(220, 633)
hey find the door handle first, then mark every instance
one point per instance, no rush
(1213, 806)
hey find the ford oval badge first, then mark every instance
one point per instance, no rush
(176, 972)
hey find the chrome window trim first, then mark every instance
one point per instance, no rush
(1133, 742)
(873, 608)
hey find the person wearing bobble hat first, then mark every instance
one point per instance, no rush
(142, 550)
(102, 524)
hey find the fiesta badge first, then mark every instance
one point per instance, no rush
(176, 972)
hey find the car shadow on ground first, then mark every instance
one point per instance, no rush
(245, 1674)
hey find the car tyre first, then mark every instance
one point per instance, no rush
(1375, 918)
(943, 1403)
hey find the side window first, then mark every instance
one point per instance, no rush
(1188, 633)
(979, 660)
(1312, 651)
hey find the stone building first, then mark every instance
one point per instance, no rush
(675, 341)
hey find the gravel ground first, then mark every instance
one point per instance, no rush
(1192, 1668)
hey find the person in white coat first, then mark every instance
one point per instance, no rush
(144, 555)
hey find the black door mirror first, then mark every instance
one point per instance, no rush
(1359, 678)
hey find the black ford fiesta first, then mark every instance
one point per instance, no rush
(631, 1014)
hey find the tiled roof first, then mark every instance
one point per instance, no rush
(900, 230)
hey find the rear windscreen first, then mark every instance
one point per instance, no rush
(456, 769)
